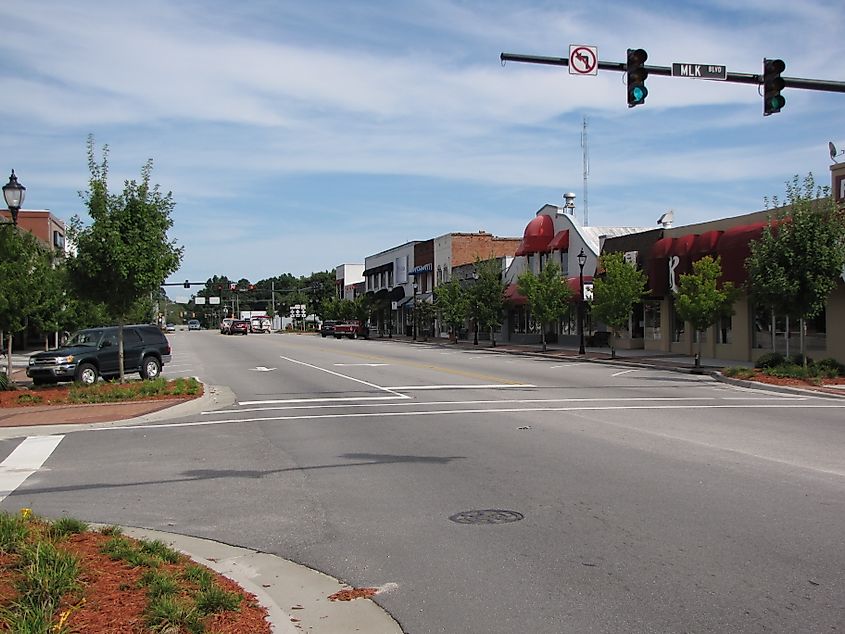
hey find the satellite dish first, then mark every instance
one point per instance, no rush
(667, 219)
(833, 152)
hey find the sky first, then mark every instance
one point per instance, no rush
(297, 136)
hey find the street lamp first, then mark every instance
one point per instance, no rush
(14, 194)
(475, 278)
(415, 311)
(582, 260)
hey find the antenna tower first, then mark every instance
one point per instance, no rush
(586, 160)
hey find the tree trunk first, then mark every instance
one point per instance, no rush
(698, 354)
(612, 344)
(803, 343)
(543, 337)
(786, 336)
(120, 349)
(9, 357)
(492, 338)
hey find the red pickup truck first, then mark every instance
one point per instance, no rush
(351, 329)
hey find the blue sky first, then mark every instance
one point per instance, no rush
(296, 136)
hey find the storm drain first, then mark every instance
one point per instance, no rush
(486, 516)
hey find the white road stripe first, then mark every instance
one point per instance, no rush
(319, 403)
(367, 365)
(509, 410)
(25, 460)
(623, 372)
(338, 399)
(462, 386)
(343, 376)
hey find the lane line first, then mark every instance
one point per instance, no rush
(338, 399)
(344, 376)
(623, 372)
(26, 459)
(461, 386)
(416, 403)
(508, 410)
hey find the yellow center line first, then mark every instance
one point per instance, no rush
(413, 364)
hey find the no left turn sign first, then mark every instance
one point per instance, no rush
(583, 60)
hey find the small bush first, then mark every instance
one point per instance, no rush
(790, 371)
(67, 526)
(739, 372)
(769, 360)
(5, 384)
(111, 531)
(159, 584)
(158, 548)
(798, 359)
(13, 532)
(199, 575)
(215, 599)
(28, 399)
(830, 368)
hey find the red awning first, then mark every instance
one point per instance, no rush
(512, 295)
(734, 248)
(661, 248)
(560, 242)
(537, 236)
(705, 243)
(683, 245)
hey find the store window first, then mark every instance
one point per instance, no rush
(724, 330)
(651, 317)
(564, 262)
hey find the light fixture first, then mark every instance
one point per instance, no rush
(14, 193)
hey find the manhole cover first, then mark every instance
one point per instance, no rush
(486, 516)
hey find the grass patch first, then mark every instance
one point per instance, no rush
(168, 614)
(29, 399)
(13, 532)
(65, 526)
(158, 548)
(216, 599)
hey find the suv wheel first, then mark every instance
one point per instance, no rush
(87, 374)
(150, 368)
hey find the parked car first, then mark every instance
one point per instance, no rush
(259, 324)
(170, 328)
(194, 324)
(93, 352)
(239, 326)
(225, 325)
(327, 328)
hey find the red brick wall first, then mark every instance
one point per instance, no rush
(466, 248)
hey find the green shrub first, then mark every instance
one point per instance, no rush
(5, 384)
(13, 532)
(798, 359)
(769, 360)
(27, 398)
(830, 368)
(739, 372)
(67, 526)
(790, 371)
(216, 599)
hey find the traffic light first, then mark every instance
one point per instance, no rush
(187, 284)
(773, 83)
(637, 73)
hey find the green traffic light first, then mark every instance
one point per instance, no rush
(777, 102)
(639, 93)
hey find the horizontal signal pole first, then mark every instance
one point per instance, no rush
(736, 78)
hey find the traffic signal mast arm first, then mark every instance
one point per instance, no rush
(736, 78)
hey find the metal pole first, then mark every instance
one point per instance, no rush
(415, 310)
(581, 349)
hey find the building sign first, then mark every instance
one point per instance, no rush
(400, 269)
(631, 257)
(422, 268)
(588, 291)
(674, 261)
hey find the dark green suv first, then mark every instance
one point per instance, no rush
(93, 352)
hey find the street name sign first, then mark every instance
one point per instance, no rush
(700, 71)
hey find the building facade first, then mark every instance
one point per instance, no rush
(49, 229)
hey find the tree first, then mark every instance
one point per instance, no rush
(547, 295)
(423, 315)
(486, 297)
(615, 293)
(450, 303)
(701, 300)
(24, 269)
(795, 264)
(124, 255)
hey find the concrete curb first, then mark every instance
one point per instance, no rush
(296, 597)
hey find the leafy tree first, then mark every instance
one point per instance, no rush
(701, 300)
(24, 269)
(547, 295)
(486, 297)
(795, 264)
(616, 292)
(424, 315)
(450, 303)
(124, 255)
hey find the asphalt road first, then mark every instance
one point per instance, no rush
(499, 493)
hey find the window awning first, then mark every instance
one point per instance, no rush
(705, 243)
(661, 248)
(537, 236)
(560, 242)
(682, 246)
(734, 248)
(513, 296)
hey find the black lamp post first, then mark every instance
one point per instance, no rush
(14, 194)
(582, 260)
(415, 311)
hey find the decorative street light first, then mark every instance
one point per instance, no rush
(14, 194)
(582, 260)
(415, 311)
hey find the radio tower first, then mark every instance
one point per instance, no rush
(586, 159)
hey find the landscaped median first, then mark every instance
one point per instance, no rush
(62, 577)
(776, 369)
(104, 392)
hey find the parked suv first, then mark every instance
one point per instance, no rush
(93, 352)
